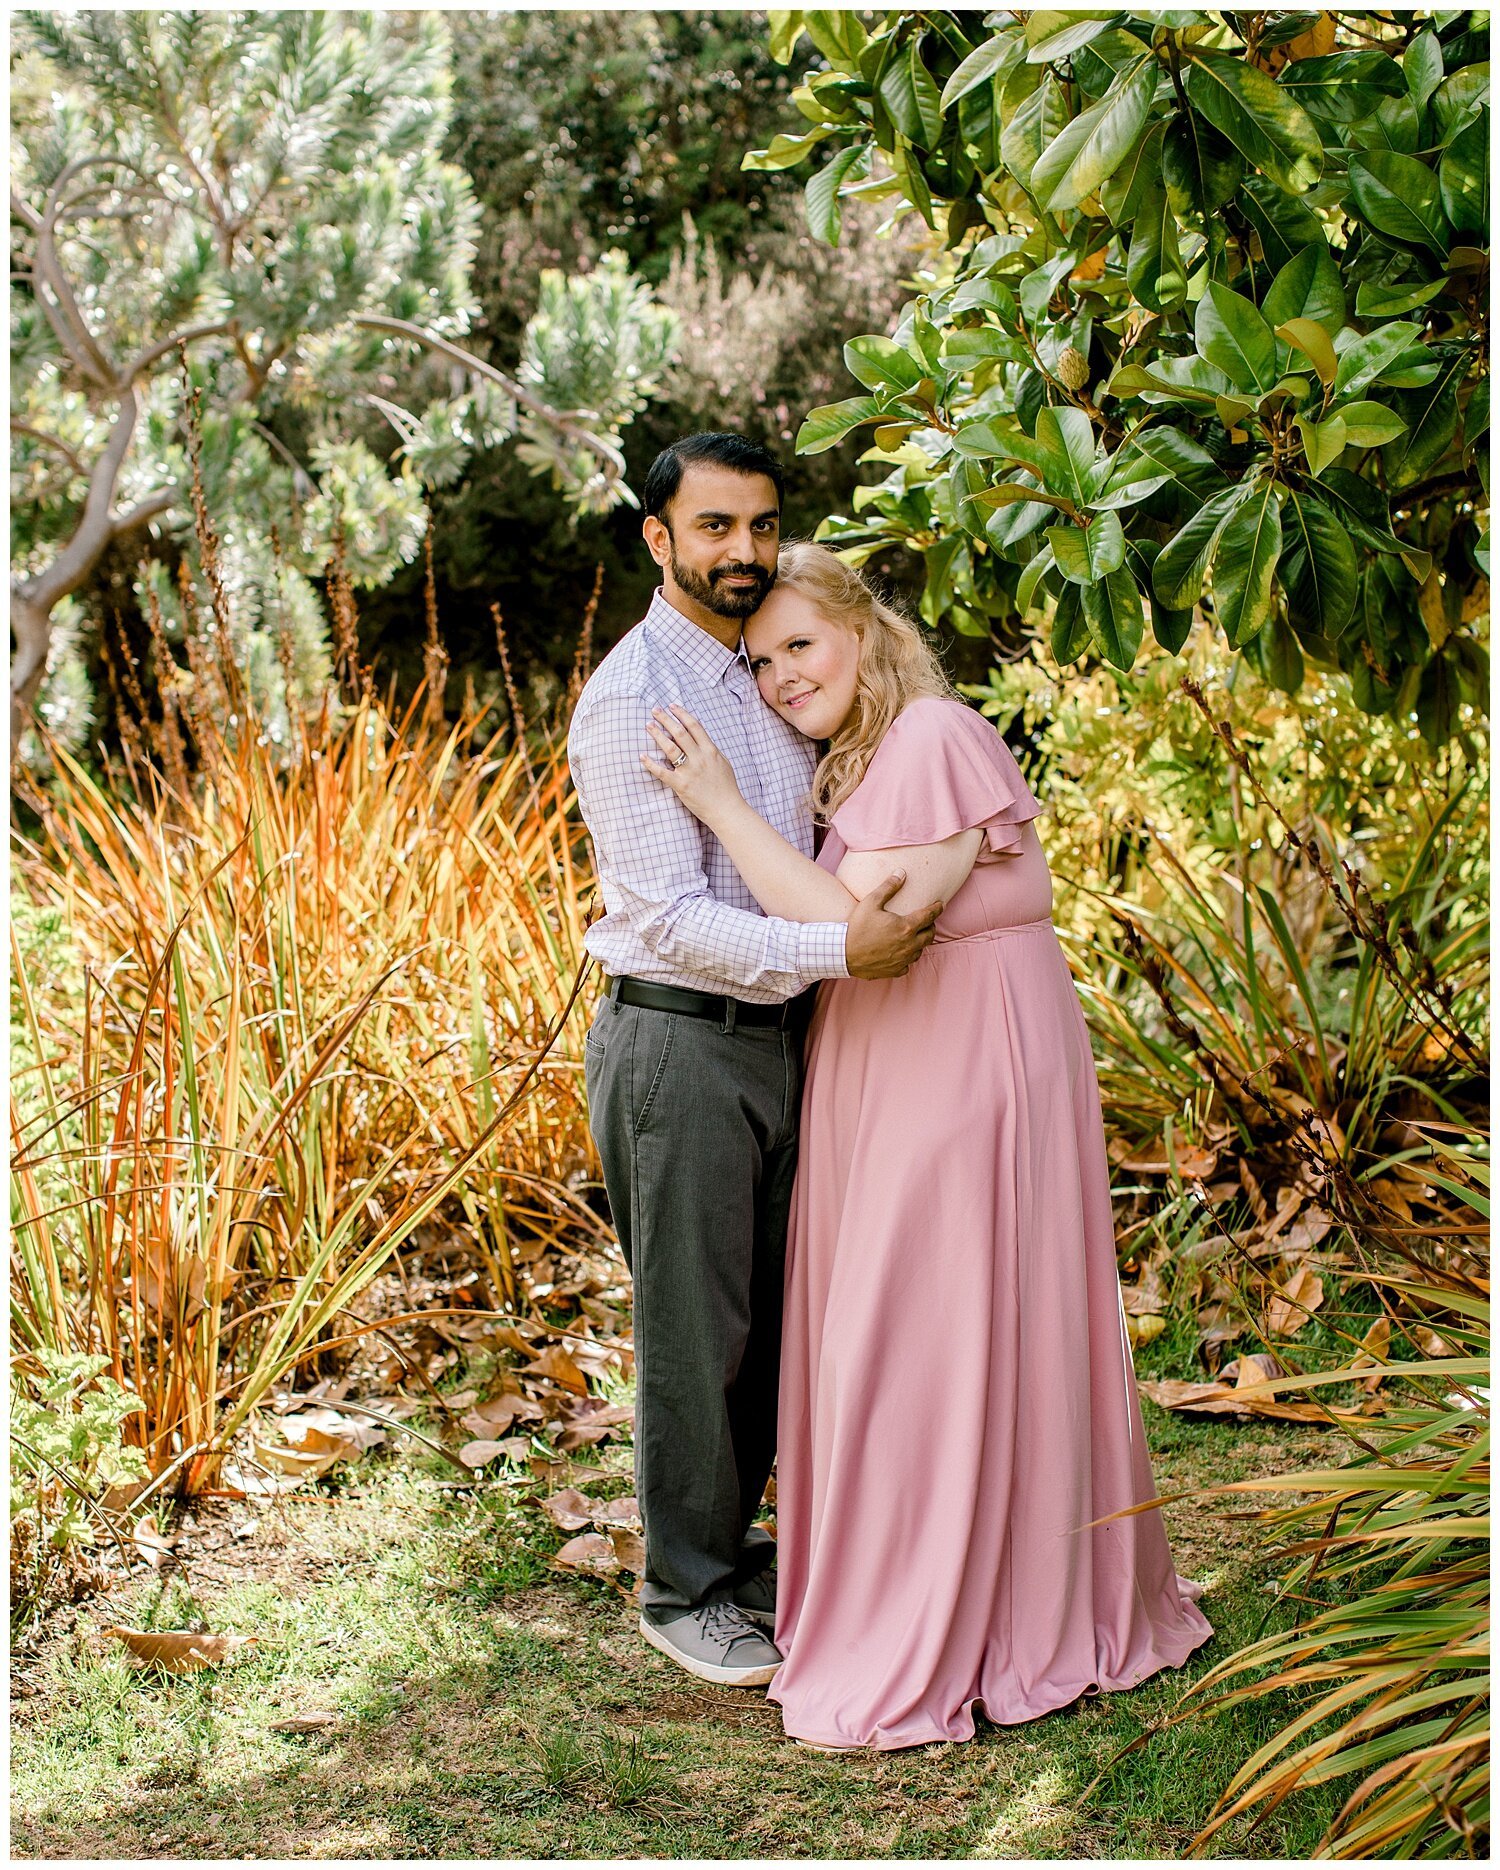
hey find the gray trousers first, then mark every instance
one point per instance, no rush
(697, 1130)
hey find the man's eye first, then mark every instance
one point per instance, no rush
(766, 525)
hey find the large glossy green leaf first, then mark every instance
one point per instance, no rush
(785, 152)
(1244, 565)
(910, 95)
(1189, 468)
(785, 31)
(1265, 123)
(1030, 580)
(1369, 425)
(1308, 286)
(1201, 168)
(881, 364)
(1362, 510)
(838, 35)
(1395, 126)
(1126, 480)
(1177, 576)
(1312, 340)
(1374, 301)
(1284, 223)
(1277, 654)
(1368, 357)
(1085, 554)
(988, 440)
(1171, 628)
(1120, 196)
(982, 64)
(1234, 336)
(825, 427)
(1464, 180)
(1322, 442)
(1040, 119)
(1399, 197)
(1458, 100)
(1096, 142)
(825, 215)
(1067, 432)
(1342, 87)
(1153, 267)
(1053, 35)
(1422, 66)
(1016, 519)
(1070, 630)
(1321, 597)
(1115, 617)
(1432, 425)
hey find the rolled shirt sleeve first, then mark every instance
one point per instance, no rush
(650, 853)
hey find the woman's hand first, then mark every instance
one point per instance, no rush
(692, 766)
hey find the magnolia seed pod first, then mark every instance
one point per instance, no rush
(1072, 368)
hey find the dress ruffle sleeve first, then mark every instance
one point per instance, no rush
(940, 769)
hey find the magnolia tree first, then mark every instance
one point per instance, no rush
(1206, 340)
(249, 211)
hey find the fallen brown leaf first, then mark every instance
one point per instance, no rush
(1224, 1398)
(153, 1545)
(626, 1511)
(555, 1364)
(1294, 1304)
(311, 1723)
(590, 1552)
(477, 1454)
(1373, 1350)
(629, 1550)
(494, 1417)
(1193, 1164)
(180, 1651)
(569, 1510)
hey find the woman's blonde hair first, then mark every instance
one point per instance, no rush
(897, 662)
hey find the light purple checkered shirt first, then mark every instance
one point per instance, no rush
(678, 911)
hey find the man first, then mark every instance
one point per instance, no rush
(693, 1064)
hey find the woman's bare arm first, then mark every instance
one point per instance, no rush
(934, 872)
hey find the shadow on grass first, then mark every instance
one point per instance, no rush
(488, 1708)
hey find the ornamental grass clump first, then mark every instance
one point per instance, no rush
(327, 1002)
(1385, 1568)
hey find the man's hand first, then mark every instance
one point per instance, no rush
(880, 945)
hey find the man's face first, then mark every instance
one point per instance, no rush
(719, 538)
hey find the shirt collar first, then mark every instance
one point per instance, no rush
(702, 653)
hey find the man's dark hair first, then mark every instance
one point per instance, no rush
(735, 452)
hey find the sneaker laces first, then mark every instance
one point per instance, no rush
(728, 1624)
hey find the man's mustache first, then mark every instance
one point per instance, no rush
(757, 572)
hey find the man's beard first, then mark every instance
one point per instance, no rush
(713, 595)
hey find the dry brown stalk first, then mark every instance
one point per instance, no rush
(518, 718)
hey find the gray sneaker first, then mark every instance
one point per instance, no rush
(757, 1598)
(717, 1643)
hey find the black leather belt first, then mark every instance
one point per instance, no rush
(726, 1010)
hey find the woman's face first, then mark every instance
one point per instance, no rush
(804, 665)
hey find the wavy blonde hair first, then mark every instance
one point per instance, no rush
(897, 663)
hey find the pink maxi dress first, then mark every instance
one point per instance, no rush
(957, 1397)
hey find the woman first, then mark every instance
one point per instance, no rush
(957, 1402)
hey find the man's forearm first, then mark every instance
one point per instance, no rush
(700, 935)
(778, 876)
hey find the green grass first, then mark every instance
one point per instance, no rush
(486, 1706)
(490, 1707)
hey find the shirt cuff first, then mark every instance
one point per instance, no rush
(820, 951)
